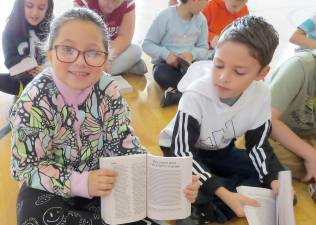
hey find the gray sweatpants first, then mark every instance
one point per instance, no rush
(126, 60)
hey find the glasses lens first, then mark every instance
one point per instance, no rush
(66, 54)
(95, 58)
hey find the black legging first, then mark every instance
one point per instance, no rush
(166, 75)
(11, 85)
(43, 208)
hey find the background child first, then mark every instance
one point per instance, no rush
(119, 16)
(177, 32)
(27, 26)
(224, 104)
(71, 115)
(172, 2)
(293, 97)
(220, 13)
(305, 34)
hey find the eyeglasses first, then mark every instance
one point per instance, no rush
(67, 54)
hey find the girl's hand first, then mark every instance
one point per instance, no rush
(172, 59)
(192, 190)
(101, 182)
(187, 56)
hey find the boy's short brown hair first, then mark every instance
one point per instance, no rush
(254, 32)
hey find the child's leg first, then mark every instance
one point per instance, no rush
(40, 207)
(234, 168)
(168, 78)
(126, 60)
(166, 75)
(233, 165)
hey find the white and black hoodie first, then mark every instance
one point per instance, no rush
(204, 122)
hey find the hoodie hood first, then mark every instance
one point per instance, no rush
(198, 79)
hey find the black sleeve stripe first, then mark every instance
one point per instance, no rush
(257, 154)
(182, 146)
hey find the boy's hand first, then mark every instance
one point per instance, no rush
(192, 190)
(275, 185)
(187, 56)
(238, 202)
(310, 165)
(101, 182)
(235, 201)
(172, 59)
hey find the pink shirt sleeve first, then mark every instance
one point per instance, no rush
(79, 184)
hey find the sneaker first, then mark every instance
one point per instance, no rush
(139, 68)
(196, 218)
(171, 96)
(312, 191)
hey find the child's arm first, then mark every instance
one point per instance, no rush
(185, 135)
(208, 13)
(152, 42)
(10, 45)
(286, 137)
(299, 38)
(200, 50)
(32, 152)
(261, 153)
(125, 35)
(287, 83)
(235, 201)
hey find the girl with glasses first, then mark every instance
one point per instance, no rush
(71, 115)
(26, 27)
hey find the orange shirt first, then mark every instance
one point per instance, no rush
(218, 17)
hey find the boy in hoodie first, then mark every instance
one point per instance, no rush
(229, 101)
(220, 13)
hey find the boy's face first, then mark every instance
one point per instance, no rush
(234, 6)
(234, 69)
(83, 36)
(197, 5)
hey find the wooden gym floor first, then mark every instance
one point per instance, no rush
(147, 116)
